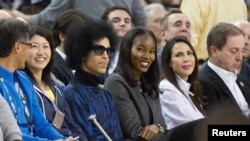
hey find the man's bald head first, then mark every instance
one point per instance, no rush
(245, 26)
(4, 15)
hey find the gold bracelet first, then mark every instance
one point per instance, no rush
(161, 129)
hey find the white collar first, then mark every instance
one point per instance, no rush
(63, 55)
(225, 75)
(184, 86)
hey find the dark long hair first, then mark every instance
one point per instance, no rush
(35, 30)
(149, 79)
(170, 75)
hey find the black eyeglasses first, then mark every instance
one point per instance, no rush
(28, 44)
(99, 50)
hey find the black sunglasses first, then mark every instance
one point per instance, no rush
(99, 50)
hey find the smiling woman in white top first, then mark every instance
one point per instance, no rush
(180, 97)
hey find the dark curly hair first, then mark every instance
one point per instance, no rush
(81, 37)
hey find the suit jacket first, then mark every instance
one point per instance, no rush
(218, 94)
(60, 70)
(245, 70)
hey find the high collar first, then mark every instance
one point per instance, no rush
(184, 86)
(86, 78)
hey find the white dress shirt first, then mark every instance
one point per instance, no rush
(229, 78)
(62, 54)
(177, 108)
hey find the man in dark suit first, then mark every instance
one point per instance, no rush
(60, 69)
(220, 82)
(60, 27)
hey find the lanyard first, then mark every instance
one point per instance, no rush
(26, 110)
(12, 106)
(23, 99)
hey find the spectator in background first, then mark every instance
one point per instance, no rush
(16, 88)
(244, 68)
(61, 71)
(220, 82)
(88, 47)
(248, 9)
(174, 23)
(205, 14)
(121, 20)
(168, 4)
(181, 98)
(50, 96)
(155, 13)
(92, 8)
(245, 27)
(30, 6)
(4, 15)
(134, 86)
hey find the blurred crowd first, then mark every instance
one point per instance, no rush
(150, 70)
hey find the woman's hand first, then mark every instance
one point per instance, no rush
(148, 132)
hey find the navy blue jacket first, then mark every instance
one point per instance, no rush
(60, 69)
(85, 100)
(69, 127)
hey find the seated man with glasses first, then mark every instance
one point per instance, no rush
(27, 44)
(89, 47)
(16, 87)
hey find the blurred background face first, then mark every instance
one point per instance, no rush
(142, 54)
(246, 50)
(94, 63)
(39, 54)
(154, 20)
(230, 56)
(121, 21)
(182, 60)
(178, 25)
